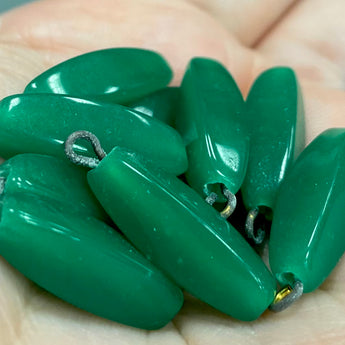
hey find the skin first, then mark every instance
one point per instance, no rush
(247, 37)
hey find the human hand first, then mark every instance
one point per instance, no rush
(247, 37)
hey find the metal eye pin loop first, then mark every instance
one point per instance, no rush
(78, 159)
(2, 184)
(230, 205)
(287, 296)
(260, 234)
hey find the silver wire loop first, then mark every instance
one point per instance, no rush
(211, 198)
(230, 205)
(79, 159)
(250, 227)
(287, 296)
(2, 184)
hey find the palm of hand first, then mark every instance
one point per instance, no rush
(247, 37)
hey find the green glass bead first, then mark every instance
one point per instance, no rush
(84, 262)
(111, 75)
(210, 123)
(307, 236)
(161, 105)
(182, 235)
(50, 177)
(40, 123)
(275, 122)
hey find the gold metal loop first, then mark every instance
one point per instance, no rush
(287, 296)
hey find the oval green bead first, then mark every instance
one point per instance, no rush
(210, 123)
(111, 75)
(40, 123)
(161, 105)
(307, 235)
(84, 262)
(51, 177)
(275, 122)
(182, 235)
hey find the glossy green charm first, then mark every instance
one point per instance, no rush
(161, 105)
(54, 178)
(40, 123)
(112, 75)
(210, 123)
(82, 260)
(275, 121)
(181, 234)
(307, 235)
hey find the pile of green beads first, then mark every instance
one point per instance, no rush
(120, 192)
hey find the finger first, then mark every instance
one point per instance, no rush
(18, 65)
(324, 108)
(13, 296)
(52, 31)
(311, 40)
(46, 315)
(247, 20)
